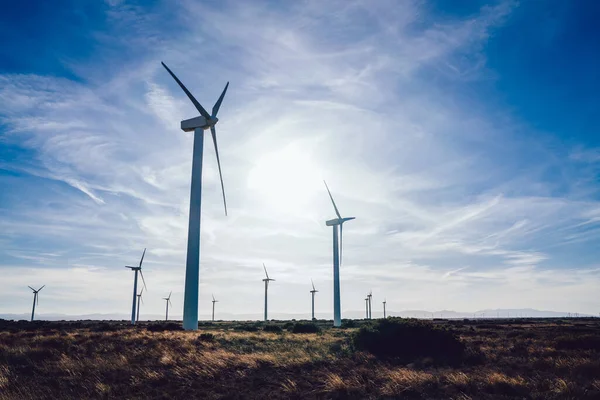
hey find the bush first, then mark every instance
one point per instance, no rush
(583, 342)
(246, 328)
(272, 328)
(348, 323)
(408, 340)
(164, 326)
(301, 327)
(288, 326)
(206, 337)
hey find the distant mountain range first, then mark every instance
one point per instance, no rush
(446, 314)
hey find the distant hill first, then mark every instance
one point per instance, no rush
(446, 314)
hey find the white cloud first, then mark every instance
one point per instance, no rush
(446, 218)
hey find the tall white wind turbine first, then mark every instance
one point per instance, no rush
(192, 268)
(384, 303)
(266, 281)
(369, 296)
(168, 300)
(35, 299)
(313, 291)
(139, 298)
(336, 224)
(214, 301)
(135, 281)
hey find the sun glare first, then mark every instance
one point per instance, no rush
(286, 179)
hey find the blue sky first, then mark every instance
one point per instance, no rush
(464, 140)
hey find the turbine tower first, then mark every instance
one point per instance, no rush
(337, 225)
(168, 300)
(384, 302)
(312, 292)
(192, 268)
(214, 301)
(135, 280)
(369, 296)
(35, 299)
(266, 281)
(366, 308)
(139, 298)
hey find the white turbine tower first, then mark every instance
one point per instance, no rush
(168, 300)
(336, 223)
(266, 281)
(192, 268)
(384, 303)
(35, 299)
(366, 308)
(313, 291)
(139, 298)
(135, 280)
(214, 301)
(369, 296)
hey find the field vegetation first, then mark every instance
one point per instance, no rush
(495, 359)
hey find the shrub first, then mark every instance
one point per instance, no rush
(246, 328)
(288, 326)
(583, 342)
(348, 323)
(408, 340)
(302, 327)
(272, 328)
(206, 337)
(164, 326)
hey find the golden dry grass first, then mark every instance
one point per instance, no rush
(75, 361)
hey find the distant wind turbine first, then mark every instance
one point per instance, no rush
(266, 281)
(139, 296)
(369, 296)
(168, 300)
(214, 301)
(35, 299)
(384, 302)
(366, 308)
(192, 268)
(336, 224)
(135, 280)
(313, 291)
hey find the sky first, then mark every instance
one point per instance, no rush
(464, 140)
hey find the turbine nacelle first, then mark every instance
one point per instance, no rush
(189, 125)
(338, 221)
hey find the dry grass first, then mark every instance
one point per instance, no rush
(90, 361)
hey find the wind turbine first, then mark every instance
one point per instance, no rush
(313, 291)
(266, 281)
(192, 267)
(384, 302)
(214, 301)
(168, 300)
(366, 308)
(337, 258)
(369, 296)
(35, 299)
(139, 296)
(135, 280)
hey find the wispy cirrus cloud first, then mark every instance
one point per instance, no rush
(453, 201)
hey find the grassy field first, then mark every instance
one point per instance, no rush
(536, 359)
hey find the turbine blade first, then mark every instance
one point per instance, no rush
(170, 303)
(213, 296)
(266, 273)
(198, 106)
(41, 288)
(143, 280)
(331, 197)
(31, 288)
(141, 299)
(142, 259)
(170, 295)
(37, 299)
(217, 105)
(214, 136)
(313, 284)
